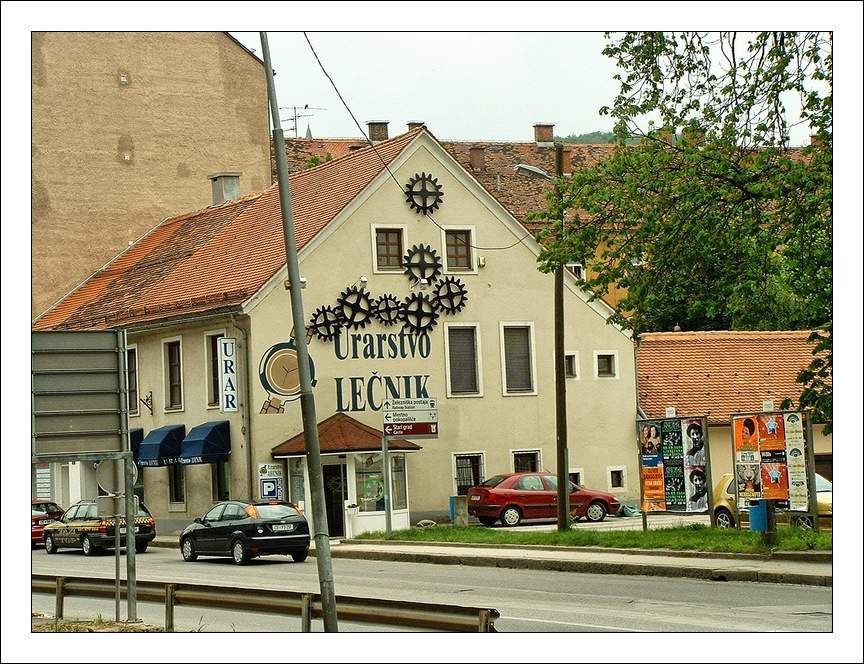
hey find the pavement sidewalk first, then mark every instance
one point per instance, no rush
(804, 568)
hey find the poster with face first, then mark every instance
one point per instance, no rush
(796, 462)
(774, 475)
(771, 431)
(749, 482)
(745, 435)
(694, 442)
(649, 438)
(697, 489)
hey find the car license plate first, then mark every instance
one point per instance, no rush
(475, 497)
(283, 527)
(123, 530)
(44, 522)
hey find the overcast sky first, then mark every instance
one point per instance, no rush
(463, 85)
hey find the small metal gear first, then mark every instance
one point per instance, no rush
(326, 321)
(422, 262)
(389, 309)
(420, 314)
(423, 193)
(356, 307)
(449, 295)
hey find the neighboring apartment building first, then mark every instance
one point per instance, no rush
(487, 357)
(126, 126)
(720, 374)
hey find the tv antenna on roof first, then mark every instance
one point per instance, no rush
(296, 114)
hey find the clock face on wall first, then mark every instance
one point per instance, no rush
(279, 371)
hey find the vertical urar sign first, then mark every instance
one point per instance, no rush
(228, 375)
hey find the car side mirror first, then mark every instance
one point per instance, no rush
(198, 519)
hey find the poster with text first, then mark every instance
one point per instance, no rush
(796, 462)
(652, 484)
(775, 475)
(771, 431)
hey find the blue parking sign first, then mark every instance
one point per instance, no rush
(270, 488)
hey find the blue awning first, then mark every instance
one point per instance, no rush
(161, 447)
(207, 443)
(135, 438)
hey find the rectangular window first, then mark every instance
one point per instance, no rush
(518, 370)
(576, 477)
(176, 483)
(469, 472)
(577, 270)
(132, 380)
(388, 249)
(458, 250)
(398, 483)
(369, 474)
(616, 478)
(296, 481)
(606, 365)
(173, 376)
(571, 366)
(219, 481)
(214, 389)
(526, 462)
(462, 359)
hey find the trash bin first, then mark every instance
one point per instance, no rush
(759, 516)
(452, 509)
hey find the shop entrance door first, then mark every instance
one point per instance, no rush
(335, 494)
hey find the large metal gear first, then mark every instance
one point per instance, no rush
(389, 309)
(423, 193)
(449, 295)
(422, 262)
(356, 307)
(420, 314)
(326, 321)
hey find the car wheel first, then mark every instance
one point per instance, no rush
(805, 522)
(511, 516)
(88, 547)
(239, 554)
(300, 556)
(723, 518)
(50, 547)
(487, 520)
(141, 548)
(187, 550)
(596, 512)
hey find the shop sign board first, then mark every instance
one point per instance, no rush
(271, 481)
(228, 375)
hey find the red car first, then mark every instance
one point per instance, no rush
(518, 496)
(42, 512)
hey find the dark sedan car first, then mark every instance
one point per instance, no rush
(244, 530)
(518, 496)
(81, 528)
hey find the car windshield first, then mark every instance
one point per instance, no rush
(494, 481)
(46, 507)
(823, 485)
(275, 511)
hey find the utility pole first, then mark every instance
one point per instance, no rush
(307, 400)
(560, 387)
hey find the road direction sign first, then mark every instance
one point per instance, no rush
(412, 430)
(410, 404)
(411, 418)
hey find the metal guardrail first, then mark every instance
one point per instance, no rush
(444, 617)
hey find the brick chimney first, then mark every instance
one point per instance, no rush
(226, 186)
(415, 125)
(477, 158)
(377, 130)
(544, 132)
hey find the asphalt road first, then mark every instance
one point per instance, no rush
(529, 601)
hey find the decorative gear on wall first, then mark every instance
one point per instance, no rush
(389, 309)
(356, 307)
(422, 262)
(326, 321)
(449, 295)
(423, 193)
(420, 314)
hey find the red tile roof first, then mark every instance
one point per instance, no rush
(342, 433)
(216, 258)
(719, 373)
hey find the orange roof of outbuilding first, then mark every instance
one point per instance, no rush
(342, 433)
(216, 258)
(720, 373)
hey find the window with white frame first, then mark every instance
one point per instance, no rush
(463, 359)
(517, 355)
(526, 461)
(469, 471)
(577, 270)
(458, 248)
(389, 248)
(571, 365)
(132, 380)
(173, 373)
(606, 364)
(576, 476)
(616, 477)
(211, 346)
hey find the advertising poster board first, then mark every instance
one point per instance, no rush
(673, 454)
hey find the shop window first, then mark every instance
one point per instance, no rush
(398, 482)
(571, 366)
(469, 472)
(518, 369)
(388, 249)
(462, 359)
(606, 365)
(173, 375)
(176, 483)
(132, 380)
(213, 387)
(369, 475)
(296, 481)
(219, 481)
(458, 250)
(526, 462)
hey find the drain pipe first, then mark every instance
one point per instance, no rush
(247, 405)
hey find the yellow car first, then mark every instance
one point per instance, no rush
(724, 505)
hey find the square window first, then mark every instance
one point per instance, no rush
(458, 250)
(526, 462)
(606, 365)
(388, 249)
(616, 479)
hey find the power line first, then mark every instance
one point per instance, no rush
(384, 163)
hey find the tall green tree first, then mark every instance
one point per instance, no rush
(711, 220)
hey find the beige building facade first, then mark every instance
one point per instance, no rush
(126, 126)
